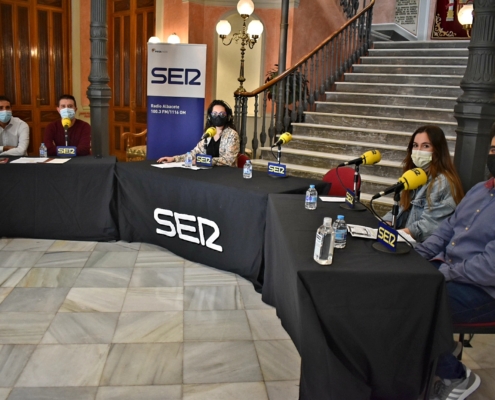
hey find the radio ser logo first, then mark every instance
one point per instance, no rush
(68, 151)
(176, 76)
(386, 236)
(276, 169)
(176, 226)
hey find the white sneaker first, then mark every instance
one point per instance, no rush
(456, 389)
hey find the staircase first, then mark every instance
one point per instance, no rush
(394, 90)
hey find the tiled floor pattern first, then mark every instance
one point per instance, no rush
(101, 321)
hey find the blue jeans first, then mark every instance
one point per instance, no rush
(469, 304)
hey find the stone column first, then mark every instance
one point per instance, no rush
(475, 108)
(99, 92)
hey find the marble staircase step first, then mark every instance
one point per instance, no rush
(423, 44)
(382, 123)
(385, 168)
(425, 113)
(370, 184)
(408, 60)
(369, 135)
(351, 148)
(444, 80)
(420, 52)
(410, 69)
(393, 99)
(396, 88)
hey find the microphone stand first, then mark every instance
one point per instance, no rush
(401, 248)
(357, 194)
(279, 153)
(66, 137)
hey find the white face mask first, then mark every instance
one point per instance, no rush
(67, 113)
(421, 158)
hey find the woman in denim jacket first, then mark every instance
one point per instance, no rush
(422, 210)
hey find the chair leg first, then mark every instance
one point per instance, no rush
(461, 340)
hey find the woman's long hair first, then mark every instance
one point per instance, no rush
(441, 164)
(228, 110)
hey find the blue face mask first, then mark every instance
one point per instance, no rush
(5, 116)
(67, 113)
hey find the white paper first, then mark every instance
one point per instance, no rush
(331, 199)
(26, 160)
(57, 160)
(371, 233)
(174, 165)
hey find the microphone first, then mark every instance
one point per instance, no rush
(283, 139)
(410, 180)
(66, 123)
(210, 132)
(369, 158)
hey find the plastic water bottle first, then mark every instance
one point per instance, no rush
(188, 161)
(324, 243)
(311, 198)
(43, 151)
(247, 170)
(340, 228)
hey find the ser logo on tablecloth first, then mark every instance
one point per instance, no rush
(180, 227)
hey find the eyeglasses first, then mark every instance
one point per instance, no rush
(220, 114)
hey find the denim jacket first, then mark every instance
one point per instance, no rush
(422, 219)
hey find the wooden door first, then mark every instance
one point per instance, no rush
(35, 60)
(131, 24)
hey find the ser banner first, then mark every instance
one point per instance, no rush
(176, 98)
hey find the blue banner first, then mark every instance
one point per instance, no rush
(176, 90)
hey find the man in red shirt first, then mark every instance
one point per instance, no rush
(79, 132)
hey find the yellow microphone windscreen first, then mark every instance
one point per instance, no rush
(371, 157)
(413, 179)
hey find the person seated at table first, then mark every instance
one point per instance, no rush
(14, 132)
(224, 146)
(79, 132)
(463, 249)
(423, 209)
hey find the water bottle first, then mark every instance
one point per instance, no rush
(340, 228)
(188, 161)
(43, 151)
(247, 171)
(311, 198)
(324, 243)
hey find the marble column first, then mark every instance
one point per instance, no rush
(475, 108)
(99, 93)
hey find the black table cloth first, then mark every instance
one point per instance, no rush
(191, 203)
(369, 325)
(71, 201)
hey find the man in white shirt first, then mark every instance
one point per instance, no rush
(14, 133)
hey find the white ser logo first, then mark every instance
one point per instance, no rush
(181, 228)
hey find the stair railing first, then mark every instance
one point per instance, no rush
(286, 97)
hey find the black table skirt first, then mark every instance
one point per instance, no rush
(71, 201)
(367, 326)
(237, 206)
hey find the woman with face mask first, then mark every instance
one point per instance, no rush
(422, 210)
(224, 145)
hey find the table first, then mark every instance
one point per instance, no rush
(71, 201)
(213, 216)
(367, 326)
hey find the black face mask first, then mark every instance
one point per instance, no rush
(218, 120)
(490, 163)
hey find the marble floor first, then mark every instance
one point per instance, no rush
(101, 321)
